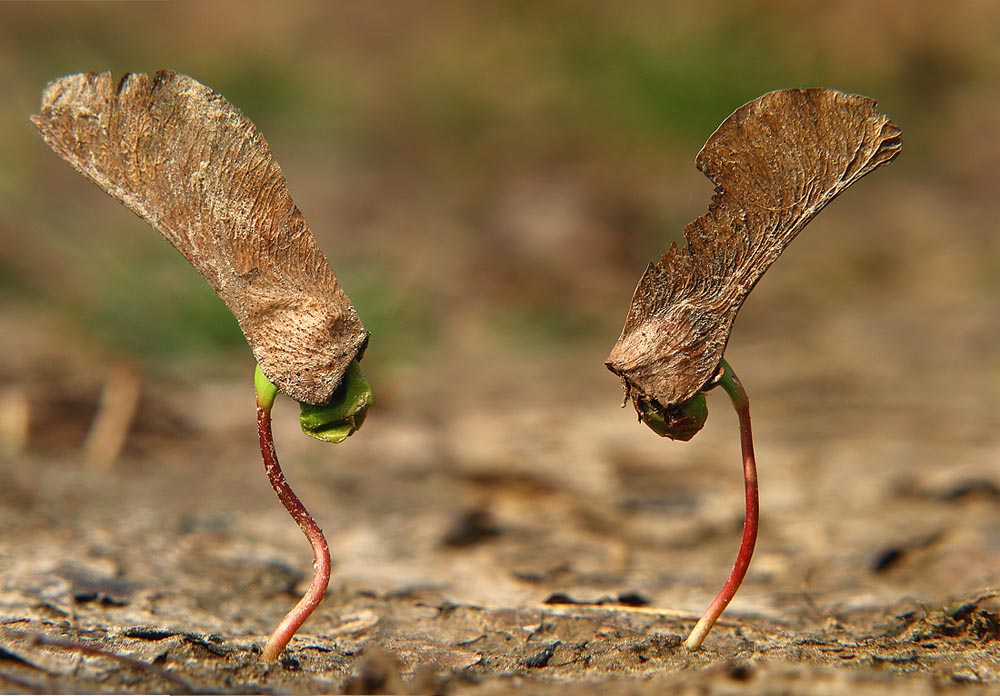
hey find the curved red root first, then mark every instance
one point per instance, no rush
(321, 551)
(741, 403)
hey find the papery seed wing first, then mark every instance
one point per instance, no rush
(775, 162)
(195, 168)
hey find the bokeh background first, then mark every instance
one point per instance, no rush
(489, 180)
(496, 177)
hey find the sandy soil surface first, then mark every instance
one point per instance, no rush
(538, 539)
(489, 180)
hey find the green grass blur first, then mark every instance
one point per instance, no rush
(507, 168)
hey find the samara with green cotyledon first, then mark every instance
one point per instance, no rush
(194, 167)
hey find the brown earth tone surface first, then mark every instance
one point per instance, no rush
(489, 186)
(467, 540)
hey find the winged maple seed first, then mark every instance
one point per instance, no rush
(194, 167)
(775, 162)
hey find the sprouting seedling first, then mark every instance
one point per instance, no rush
(775, 162)
(194, 167)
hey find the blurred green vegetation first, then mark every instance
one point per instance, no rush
(677, 87)
(403, 319)
(409, 132)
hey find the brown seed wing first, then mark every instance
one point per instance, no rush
(194, 167)
(775, 162)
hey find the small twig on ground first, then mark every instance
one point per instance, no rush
(97, 651)
(115, 414)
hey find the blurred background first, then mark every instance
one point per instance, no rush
(488, 181)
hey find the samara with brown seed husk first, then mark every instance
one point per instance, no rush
(775, 163)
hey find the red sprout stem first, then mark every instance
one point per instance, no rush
(741, 403)
(321, 551)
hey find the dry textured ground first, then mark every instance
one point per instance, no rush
(532, 544)
(489, 185)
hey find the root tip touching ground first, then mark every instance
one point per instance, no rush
(738, 396)
(281, 636)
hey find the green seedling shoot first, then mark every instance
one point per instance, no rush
(775, 163)
(194, 167)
